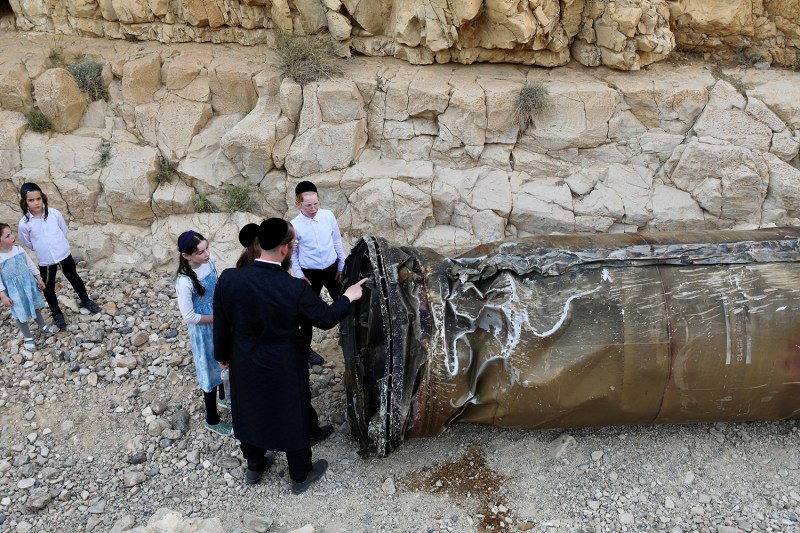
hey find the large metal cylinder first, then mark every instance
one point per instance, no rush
(573, 330)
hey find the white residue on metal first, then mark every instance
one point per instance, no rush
(606, 276)
(564, 314)
(451, 362)
(727, 328)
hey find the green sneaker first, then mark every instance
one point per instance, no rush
(224, 403)
(222, 428)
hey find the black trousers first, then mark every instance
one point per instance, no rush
(321, 278)
(49, 277)
(299, 460)
(324, 278)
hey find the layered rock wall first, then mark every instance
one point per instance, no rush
(623, 34)
(424, 155)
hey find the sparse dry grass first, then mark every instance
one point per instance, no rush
(307, 58)
(533, 98)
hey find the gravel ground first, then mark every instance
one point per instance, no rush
(101, 430)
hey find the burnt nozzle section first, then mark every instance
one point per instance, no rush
(382, 340)
(573, 330)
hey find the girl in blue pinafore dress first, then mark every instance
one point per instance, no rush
(197, 278)
(20, 284)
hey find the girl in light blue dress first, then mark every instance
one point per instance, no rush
(20, 285)
(197, 278)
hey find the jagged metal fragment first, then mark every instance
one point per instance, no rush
(574, 330)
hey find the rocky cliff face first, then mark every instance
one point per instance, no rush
(622, 34)
(424, 155)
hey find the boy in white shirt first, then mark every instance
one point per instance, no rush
(318, 256)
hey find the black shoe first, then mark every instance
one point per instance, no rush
(251, 477)
(91, 306)
(314, 358)
(324, 432)
(58, 320)
(317, 471)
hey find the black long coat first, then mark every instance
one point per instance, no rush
(258, 311)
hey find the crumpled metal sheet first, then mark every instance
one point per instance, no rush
(574, 330)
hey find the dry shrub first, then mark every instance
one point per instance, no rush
(533, 98)
(307, 58)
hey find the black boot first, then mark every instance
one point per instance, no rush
(58, 320)
(314, 358)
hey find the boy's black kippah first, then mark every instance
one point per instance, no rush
(271, 233)
(304, 186)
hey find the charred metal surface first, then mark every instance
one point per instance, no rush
(574, 330)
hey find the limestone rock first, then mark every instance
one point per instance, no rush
(601, 201)
(784, 145)
(759, 110)
(291, 99)
(167, 520)
(173, 198)
(726, 121)
(417, 173)
(624, 36)
(404, 216)
(728, 182)
(446, 239)
(12, 125)
(132, 11)
(338, 25)
(339, 101)
(671, 101)
(463, 124)
(232, 87)
(501, 98)
(633, 185)
(564, 124)
(321, 146)
(674, 210)
(129, 181)
(782, 203)
(141, 78)
(541, 206)
(75, 171)
(185, 77)
(130, 479)
(204, 161)
(249, 144)
(476, 200)
(178, 120)
(60, 99)
(780, 93)
(15, 87)
(202, 13)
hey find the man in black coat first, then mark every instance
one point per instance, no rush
(258, 312)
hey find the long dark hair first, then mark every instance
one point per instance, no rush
(23, 204)
(249, 254)
(187, 244)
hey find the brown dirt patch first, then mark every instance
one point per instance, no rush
(472, 484)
